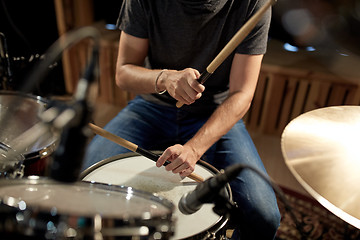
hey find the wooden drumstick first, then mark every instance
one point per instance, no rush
(134, 148)
(232, 44)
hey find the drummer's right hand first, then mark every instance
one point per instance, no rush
(181, 158)
(183, 85)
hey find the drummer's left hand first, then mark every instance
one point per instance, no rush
(182, 159)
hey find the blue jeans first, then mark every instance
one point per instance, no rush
(155, 127)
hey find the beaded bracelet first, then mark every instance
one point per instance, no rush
(156, 80)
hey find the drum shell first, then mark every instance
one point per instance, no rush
(211, 229)
(39, 221)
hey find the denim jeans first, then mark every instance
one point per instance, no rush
(156, 127)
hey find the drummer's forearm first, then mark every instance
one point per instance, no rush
(136, 79)
(221, 121)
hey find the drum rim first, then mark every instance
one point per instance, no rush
(133, 154)
(36, 180)
(22, 94)
(90, 218)
(222, 220)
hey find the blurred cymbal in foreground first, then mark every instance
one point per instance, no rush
(322, 150)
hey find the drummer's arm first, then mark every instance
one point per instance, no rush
(243, 79)
(131, 75)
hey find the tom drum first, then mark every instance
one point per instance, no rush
(18, 113)
(39, 208)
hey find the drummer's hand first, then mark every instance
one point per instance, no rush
(183, 85)
(182, 160)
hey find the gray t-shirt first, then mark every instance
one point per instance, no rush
(190, 33)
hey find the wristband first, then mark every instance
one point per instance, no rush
(156, 80)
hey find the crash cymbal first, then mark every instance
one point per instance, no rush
(322, 150)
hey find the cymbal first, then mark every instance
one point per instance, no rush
(322, 150)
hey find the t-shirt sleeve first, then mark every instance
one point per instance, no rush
(133, 18)
(256, 41)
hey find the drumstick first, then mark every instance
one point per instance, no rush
(232, 44)
(134, 148)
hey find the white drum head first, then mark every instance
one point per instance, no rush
(142, 174)
(87, 208)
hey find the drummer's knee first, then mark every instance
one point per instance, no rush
(272, 221)
(258, 223)
(269, 221)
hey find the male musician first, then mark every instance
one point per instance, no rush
(164, 45)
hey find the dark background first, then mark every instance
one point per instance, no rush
(30, 28)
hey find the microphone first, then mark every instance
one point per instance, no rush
(67, 162)
(208, 191)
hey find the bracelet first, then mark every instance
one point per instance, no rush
(156, 80)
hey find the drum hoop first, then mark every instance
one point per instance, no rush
(101, 163)
(108, 222)
(34, 180)
(27, 95)
(133, 154)
(222, 220)
(41, 153)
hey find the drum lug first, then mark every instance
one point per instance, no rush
(210, 236)
(213, 236)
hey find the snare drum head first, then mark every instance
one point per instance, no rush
(141, 173)
(85, 201)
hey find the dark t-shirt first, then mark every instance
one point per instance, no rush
(186, 33)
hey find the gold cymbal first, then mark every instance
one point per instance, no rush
(322, 150)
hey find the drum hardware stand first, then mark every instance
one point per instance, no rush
(67, 162)
(14, 171)
(6, 72)
(13, 166)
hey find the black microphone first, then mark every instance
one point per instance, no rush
(68, 157)
(207, 191)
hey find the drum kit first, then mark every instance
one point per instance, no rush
(43, 195)
(128, 197)
(124, 197)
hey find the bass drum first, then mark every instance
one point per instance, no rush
(18, 113)
(136, 171)
(37, 208)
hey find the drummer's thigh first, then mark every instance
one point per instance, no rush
(236, 146)
(249, 189)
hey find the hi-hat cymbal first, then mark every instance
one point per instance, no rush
(322, 150)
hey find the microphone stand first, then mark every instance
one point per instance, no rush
(225, 207)
(6, 64)
(67, 162)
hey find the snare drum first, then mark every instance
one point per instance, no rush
(18, 113)
(141, 173)
(39, 208)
